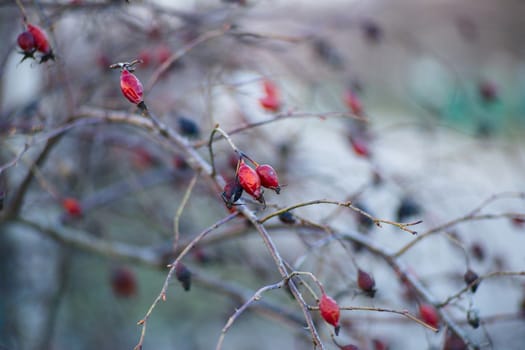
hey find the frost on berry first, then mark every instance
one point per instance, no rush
(330, 311)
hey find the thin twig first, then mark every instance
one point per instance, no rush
(381, 309)
(377, 221)
(477, 281)
(239, 311)
(180, 209)
(172, 266)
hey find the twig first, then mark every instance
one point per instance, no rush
(380, 309)
(278, 117)
(377, 221)
(215, 130)
(14, 160)
(256, 297)
(181, 52)
(478, 280)
(172, 266)
(452, 223)
(180, 209)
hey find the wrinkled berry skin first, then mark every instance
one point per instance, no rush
(131, 87)
(330, 311)
(366, 283)
(41, 42)
(268, 177)
(250, 181)
(232, 192)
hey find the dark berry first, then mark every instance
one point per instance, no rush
(123, 282)
(470, 277)
(188, 127)
(183, 275)
(407, 208)
(287, 218)
(366, 283)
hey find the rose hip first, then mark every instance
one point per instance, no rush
(330, 311)
(268, 177)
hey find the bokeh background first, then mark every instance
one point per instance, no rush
(442, 89)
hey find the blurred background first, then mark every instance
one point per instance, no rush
(414, 110)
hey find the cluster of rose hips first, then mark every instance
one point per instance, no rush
(250, 180)
(32, 40)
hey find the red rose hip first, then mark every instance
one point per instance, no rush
(268, 177)
(72, 207)
(250, 181)
(131, 87)
(330, 311)
(429, 315)
(41, 42)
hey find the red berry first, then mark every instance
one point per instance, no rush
(378, 344)
(453, 342)
(40, 37)
(269, 88)
(268, 177)
(26, 42)
(249, 180)
(183, 275)
(123, 282)
(330, 311)
(131, 87)
(270, 103)
(353, 103)
(41, 42)
(366, 283)
(470, 277)
(72, 207)
(429, 315)
(518, 221)
(349, 347)
(359, 146)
